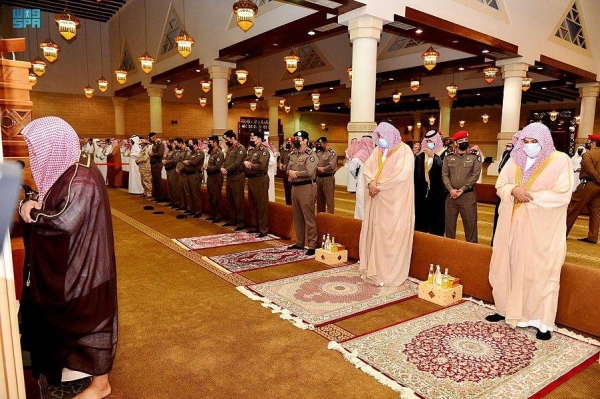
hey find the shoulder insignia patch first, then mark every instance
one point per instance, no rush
(264, 153)
(479, 158)
(241, 151)
(308, 151)
(218, 159)
(312, 159)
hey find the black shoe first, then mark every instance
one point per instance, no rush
(189, 212)
(239, 228)
(217, 220)
(494, 318)
(210, 219)
(253, 231)
(196, 216)
(543, 336)
(228, 224)
(294, 247)
(310, 252)
(586, 240)
(261, 235)
(181, 216)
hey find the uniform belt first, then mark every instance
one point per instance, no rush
(256, 175)
(235, 172)
(468, 190)
(326, 175)
(170, 168)
(191, 173)
(213, 173)
(301, 183)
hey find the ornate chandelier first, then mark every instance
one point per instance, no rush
(178, 91)
(50, 50)
(67, 24)
(489, 74)
(430, 57)
(242, 75)
(415, 83)
(184, 43)
(245, 11)
(396, 96)
(298, 82)
(291, 62)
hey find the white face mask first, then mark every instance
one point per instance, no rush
(431, 146)
(383, 143)
(532, 149)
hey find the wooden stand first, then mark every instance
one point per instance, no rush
(438, 295)
(331, 258)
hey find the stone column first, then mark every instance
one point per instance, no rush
(274, 122)
(220, 81)
(445, 110)
(513, 75)
(589, 94)
(119, 103)
(365, 32)
(155, 92)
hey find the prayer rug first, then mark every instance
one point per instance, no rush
(313, 299)
(221, 240)
(455, 353)
(258, 259)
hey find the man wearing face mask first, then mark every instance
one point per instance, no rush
(256, 167)
(530, 247)
(588, 191)
(214, 178)
(325, 176)
(284, 159)
(460, 172)
(191, 174)
(505, 157)
(576, 162)
(233, 169)
(430, 193)
(301, 172)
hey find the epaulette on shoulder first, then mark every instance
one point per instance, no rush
(309, 151)
(331, 151)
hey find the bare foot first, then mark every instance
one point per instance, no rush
(99, 388)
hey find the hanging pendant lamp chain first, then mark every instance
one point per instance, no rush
(87, 61)
(146, 26)
(101, 55)
(184, 15)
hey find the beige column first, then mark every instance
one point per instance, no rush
(513, 75)
(365, 32)
(274, 121)
(155, 92)
(119, 104)
(445, 110)
(589, 94)
(220, 81)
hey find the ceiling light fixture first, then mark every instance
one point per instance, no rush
(102, 82)
(282, 103)
(349, 72)
(229, 97)
(253, 106)
(287, 108)
(88, 91)
(311, 32)
(485, 51)
(50, 50)
(577, 118)
(291, 61)
(396, 96)
(178, 91)
(461, 123)
(120, 72)
(526, 82)
(452, 88)
(430, 57)
(202, 101)
(553, 115)
(489, 74)
(242, 75)
(485, 118)
(205, 84)
(315, 97)
(245, 11)
(431, 120)
(419, 125)
(184, 41)
(419, 31)
(38, 66)
(258, 90)
(32, 79)
(316, 106)
(146, 60)
(415, 83)
(409, 128)
(67, 24)
(298, 82)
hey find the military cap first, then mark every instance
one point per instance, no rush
(463, 134)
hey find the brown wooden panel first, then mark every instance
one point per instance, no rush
(561, 67)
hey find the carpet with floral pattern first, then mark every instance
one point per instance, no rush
(455, 353)
(221, 240)
(313, 299)
(260, 258)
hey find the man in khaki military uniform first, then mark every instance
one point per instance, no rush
(325, 175)
(143, 163)
(460, 172)
(301, 172)
(284, 159)
(256, 167)
(214, 177)
(184, 154)
(192, 180)
(588, 191)
(233, 168)
(156, 166)
(169, 162)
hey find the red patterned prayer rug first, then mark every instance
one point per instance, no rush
(313, 299)
(455, 353)
(250, 260)
(221, 240)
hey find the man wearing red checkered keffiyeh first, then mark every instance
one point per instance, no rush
(69, 303)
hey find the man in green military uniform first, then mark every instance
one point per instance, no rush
(460, 172)
(301, 172)
(169, 162)
(156, 166)
(233, 169)
(184, 153)
(325, 175)
(192, 179)
(256, 166)
(214, 177)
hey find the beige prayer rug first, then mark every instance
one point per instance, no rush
(314, 299)
(221, 240)
(455, 353)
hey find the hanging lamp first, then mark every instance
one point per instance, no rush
(242, 75)
(287, 108)
(184, 41)
(430, 57)
(205, 84)
(489, 74)
(316, 106)
(396, 96)
(282, 103)
(178, 90)
(146, 60)
(526, 82)
(415, 83)
(229, 97)
(245, 11)
(298, 82)
(67, 24)
(315, 97)
(102, 82)
(87, 90)
(32, 79)
(202, 101)
(291, 61)
(120, 73)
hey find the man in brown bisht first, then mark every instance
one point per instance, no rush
(325, 176)
(192, 180)
(214, 178)
(69, 305)
(301, 173)
(115, 171)
(588, 190)
(257, 165)
(233, 168)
